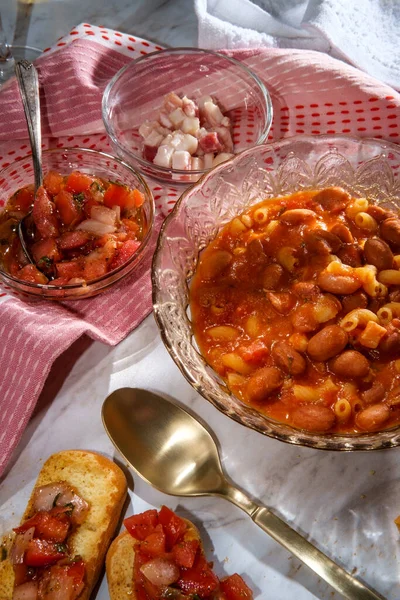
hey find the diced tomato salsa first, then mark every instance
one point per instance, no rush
(41, 554)
(81, 228)
(170, 562)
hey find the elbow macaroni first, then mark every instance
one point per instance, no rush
(357, 317)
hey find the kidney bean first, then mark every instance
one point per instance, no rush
(379, 213)
(296, 216)
(288, 359)
(263, 383)
(333, 199)
(320, 241)
(343, 233)
(216, 262)
(350, 255)
(378, 253)
(390, 230)
(303, 319)
(374, 394)
(353, 301)
(338, 284)
(394, 296)
(390, 344)
(256, 252)
(349, 364)
(327, 343)
(272, 276)
(394, 397)
(283, 302)
(313, 417)
(305, 289)
(372, 417)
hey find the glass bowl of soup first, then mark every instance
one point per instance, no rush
(276, 287)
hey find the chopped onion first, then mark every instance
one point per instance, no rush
(160, 571)
(103, 214)
(26, 591)
(60, 494)
(19, 546)
(95, 227)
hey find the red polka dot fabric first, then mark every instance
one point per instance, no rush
(312, 94)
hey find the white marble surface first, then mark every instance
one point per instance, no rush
(344, 503)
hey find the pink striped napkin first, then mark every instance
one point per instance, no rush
(312, 93)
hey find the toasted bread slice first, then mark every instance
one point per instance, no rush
(103, 485)
(120, 562)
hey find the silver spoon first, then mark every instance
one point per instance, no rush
(177, 455)
(28, 82)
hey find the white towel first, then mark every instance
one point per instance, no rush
(364, 33)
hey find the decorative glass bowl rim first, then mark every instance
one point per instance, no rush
(183, 50)
(76, 286)
(376, 440)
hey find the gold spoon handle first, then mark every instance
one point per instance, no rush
(342, 581)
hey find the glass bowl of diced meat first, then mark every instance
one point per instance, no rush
(175, 114)
(84, 229)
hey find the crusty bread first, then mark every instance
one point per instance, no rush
(102, 484)
(120, 562)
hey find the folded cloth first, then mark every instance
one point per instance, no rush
(312, 93)
(364, 34)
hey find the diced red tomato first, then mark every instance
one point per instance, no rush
(53, 182)
(138, 197)
(78, 182)
(97, 262)
(20, 574)
(235, 588)
(44, 216)
(63, 582)
(184, 553)
(255, 352)
(124, 253)
(88, 205)
(76, 570)
(41, 553)
(23, 199)
(46, 249)
(31, 274)
(130, 225)
(154, 543)
(68, 269)
(70, 240)
(174, 526)
(48, 526)
(199, 579)
(142, 525)
(120, 195)
(67, 207)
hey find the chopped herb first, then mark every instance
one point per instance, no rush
(77, 558)
(71, 508)
(95, 186)
(45, 262)
(79, 199)
(3, 553)
(60, 547)
(117, 183)
(57, 496)
(281, 210)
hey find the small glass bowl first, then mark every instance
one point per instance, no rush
(364, 167)
(65, 160)
(136, 92)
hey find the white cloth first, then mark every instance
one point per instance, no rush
(365, 33)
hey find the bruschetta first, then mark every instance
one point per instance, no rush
(160, 556)
(58, 550)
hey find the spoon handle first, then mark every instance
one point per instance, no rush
(28, 82)
(336, 576)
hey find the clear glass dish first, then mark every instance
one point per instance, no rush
(137, 90)
(65, 160)
(362, 166)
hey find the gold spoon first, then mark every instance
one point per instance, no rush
(177, 455)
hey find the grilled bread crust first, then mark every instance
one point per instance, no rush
(120, 563)
(103, 485)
